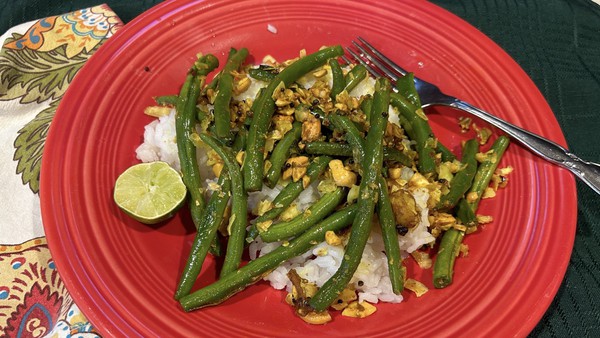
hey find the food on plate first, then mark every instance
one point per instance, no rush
(330, 179)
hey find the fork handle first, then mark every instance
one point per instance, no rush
(588, 172)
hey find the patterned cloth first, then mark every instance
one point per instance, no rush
(38, 61)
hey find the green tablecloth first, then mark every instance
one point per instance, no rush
(557, 42)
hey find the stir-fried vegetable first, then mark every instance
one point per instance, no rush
(303, 129)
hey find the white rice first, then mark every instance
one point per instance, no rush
(322, 261)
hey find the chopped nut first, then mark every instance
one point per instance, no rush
(464, 249)
(415, 286)
(319, 73)
(472, 196)
(311, 129)
(305, 181)
(267, 166)
(262, 207)
(442, 220)
(344, 298)
(421, 114)
(283, 123)
(217, 168)
(264, 226)
(342, 176)
(317, 318)
(500, 177)
(465, 123)
(359, 310)
(482, 219)
(211, 94)
(394, 173)
(296, 168)
(459, 227)
(418, 181)
(489, 192)
(504, 171)
(332, 239)
(242, 85)
(325, 186)
(483, 134)
(289, 213)
(239, 157)
(269, 60)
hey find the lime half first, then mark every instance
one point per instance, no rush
(150, 192)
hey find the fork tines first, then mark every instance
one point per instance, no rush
(376, 62)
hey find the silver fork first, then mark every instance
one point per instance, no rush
(380, 65)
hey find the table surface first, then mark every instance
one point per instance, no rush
(557, 43)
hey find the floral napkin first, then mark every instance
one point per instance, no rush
(38, 61)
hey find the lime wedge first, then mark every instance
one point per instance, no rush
(150, 192)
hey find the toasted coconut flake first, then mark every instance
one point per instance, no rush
(415, 286)
(422, 258)
(157, 111)
(482, 219)
(359, 310)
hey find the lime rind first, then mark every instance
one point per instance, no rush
(150, 192)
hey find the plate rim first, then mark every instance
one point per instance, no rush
(146, 19)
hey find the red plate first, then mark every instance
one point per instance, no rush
(122, 274)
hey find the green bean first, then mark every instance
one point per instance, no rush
(355, 76)
(189, 167)
(185, 124)
(465, 214)
(166, 100)
(338, 78)
(315, 213)
(406, 87)
(239, 204)
(346, 150)
(212, 84)
(263, 73)
(293, 189)
(447, 155)
(252, 272)
(205, 237)
(487, 169)
(462, 179)
(328, 148)
(281, 153)
(361, 226)
(254, 158)
(222, 112)
(239, 143)
(467, 207)
(420, 130)
(366, 105)
(387, 221)
(215, 246)
(451, 240)
(352, 135)
(443, 267)
(395, 155)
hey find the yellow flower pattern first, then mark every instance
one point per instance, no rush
(35, 69)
